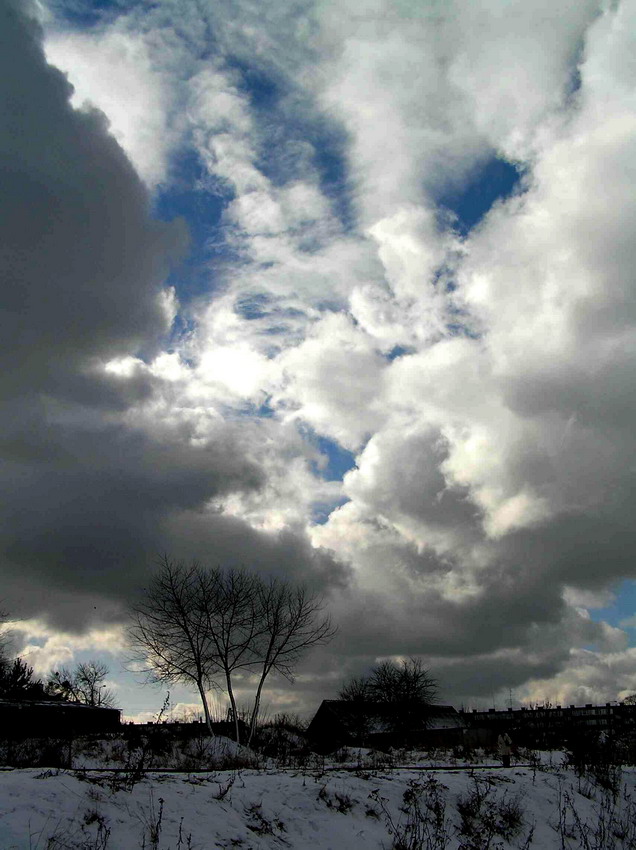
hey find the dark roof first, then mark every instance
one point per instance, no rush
(44, 718)
(363, 706)
(52, 703)
(381, 716)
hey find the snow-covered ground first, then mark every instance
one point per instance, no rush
(543, 806)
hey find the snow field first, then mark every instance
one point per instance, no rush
(51, 810)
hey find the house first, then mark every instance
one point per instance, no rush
(54, 718)
(382, 725)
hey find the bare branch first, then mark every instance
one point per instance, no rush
(169, 635)
(408, 686)
(291, 624)
(85, 684)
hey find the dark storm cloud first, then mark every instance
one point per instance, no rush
(468, 678)
(222, 539)
(88, 499)
(82, 262)
(503, 614)
(506, 623)
(422, 494)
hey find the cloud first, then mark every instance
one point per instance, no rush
(99, 464)
(46, 649)
(334, 374)
(499, 476)
(588, 677)
(75, 232)
(482, 382)
(114, 73)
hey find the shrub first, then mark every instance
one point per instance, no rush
(424, 825)
(484, 817)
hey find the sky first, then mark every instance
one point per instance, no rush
(337, 292)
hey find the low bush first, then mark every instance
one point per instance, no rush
(423, 825)
(484, 817)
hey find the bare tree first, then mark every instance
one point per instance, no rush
(168, 635)
(85, 684)
(408, 682)
(200, 626)
(356, 690)
(408, 686)
(228, 607)
(290, 623)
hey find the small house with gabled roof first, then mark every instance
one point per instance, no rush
(54, 718)
(383, 725)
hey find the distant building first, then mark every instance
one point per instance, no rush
(382, 725)
(190, 728)
(54, 718)
(548, 726)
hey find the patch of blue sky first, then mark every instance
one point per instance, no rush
(399, 351)
(337, 461)
(495, 180)
(87, 14)
(622, 609)
(191, 196)
(253, 306)
(183, 327)
(251, 410)
(321, 511)
(262, 90)
(461, 329)
(265, 410)
(294, 138)
(330, 160)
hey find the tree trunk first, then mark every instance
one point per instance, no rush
(206, 710)
(230, 693)
(257, 705)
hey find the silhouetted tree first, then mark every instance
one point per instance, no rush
(17, 681)
(168, 636)
(408, 682)
(200, 626)
(16, 676)
(290, 622)
(228, 606)
(408, 686)
(356, 690)
(85, 684)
